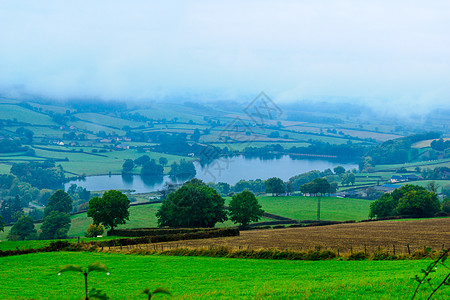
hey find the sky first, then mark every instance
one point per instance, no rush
(393, 54)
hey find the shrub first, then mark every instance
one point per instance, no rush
(357, 256)
(95, 230)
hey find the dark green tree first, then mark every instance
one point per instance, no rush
(418, 203)
(151, 168)
(339, 170)
(193, 205)
(23, 229)
(383, 207)
(244, 208)
(56, 225)
(59, 201)
(319, 186)
(446, 205)
(127, 166)
(196, 135)
(109, 210)
(2, 224)
(163, 161)
(397, 194)
(142, 160)
(11, 210)
(185, 169)
(275, 186)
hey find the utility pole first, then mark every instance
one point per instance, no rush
(318, 208)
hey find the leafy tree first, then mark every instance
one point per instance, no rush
(244, 208)
(347, 178)
(289, 187)
(446, 205)
(163, 161)
(196, 135)
(397, 194)
(275, 186)
(433, 187)
(303, 178)
(317, 186)
(110, 210)
(383, 207)
(127, 166)
(242, 185)
(184, 169)
(152, 168)
(59, 201)
(339, 170)
(11, 210)
(95, 230)
(440, 145)
(142, 160)
(418, 203)
(193, 205)
(23, 229)
(36, 214)
(56, 225)
(27, 133)
(351, 178)
(2, 224)
(274, 134)
(446, 190)
(40, 174)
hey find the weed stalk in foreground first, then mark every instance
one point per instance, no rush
(440, 260)
(96, 266)
(156, 291)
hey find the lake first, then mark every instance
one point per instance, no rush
(229, 170)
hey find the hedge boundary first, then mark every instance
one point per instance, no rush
(67, 246)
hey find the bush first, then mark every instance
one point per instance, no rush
(139, 232)
(358, 256)
(95, 230)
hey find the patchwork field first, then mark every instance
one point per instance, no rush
(35, 276)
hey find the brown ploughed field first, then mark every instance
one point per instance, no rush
(417, 234)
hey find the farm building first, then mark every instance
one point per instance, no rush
(404, 178)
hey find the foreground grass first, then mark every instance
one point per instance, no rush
(35, 276)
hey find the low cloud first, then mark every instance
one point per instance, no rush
(388, 54)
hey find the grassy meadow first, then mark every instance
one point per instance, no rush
(34, 276)
(305, 208)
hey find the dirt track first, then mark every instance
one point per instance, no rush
(417, 233)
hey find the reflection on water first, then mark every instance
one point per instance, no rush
(229, 170)
(233, 169)
(138, 183)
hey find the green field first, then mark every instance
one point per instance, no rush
(423, 164)
(4, 168)
(103, 163)
(24, 115)
(34, 276)
(305, 208)
(294, 207)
